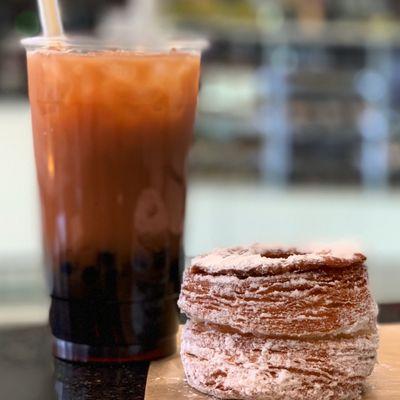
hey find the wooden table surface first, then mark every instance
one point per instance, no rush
(384, 383)
(165, 378)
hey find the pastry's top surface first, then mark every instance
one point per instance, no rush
(260, 260)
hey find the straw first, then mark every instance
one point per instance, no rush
(50, 18)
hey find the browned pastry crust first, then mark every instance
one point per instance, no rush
(278, 324)
(233, 366)
(298, 294)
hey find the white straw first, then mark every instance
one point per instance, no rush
(50, 18)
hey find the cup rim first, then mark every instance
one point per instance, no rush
(87, 43)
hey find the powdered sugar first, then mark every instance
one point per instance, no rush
(288, 304)
(264, 259)
(278, 323)
(231, 366)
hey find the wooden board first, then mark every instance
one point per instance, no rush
(166, 378)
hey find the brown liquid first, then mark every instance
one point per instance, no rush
(111, 134)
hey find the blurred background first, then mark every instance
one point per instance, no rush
(297, 136)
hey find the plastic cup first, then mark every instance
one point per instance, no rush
(112, 127)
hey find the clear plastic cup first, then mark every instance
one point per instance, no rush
(112, 127)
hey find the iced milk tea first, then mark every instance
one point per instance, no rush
(112, 130)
